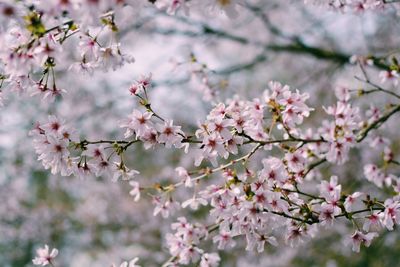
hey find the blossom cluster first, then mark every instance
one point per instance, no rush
(55, 143)
(353, 5)
(37, 35)
(260, 205)
(249, 163)
(183, 245)
(34, 50)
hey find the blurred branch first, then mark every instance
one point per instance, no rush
(376, 124)
(224, 71)
(259, 12)
(299, 47)
(295, 45)
(243, 66)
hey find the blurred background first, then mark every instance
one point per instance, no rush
(94, 222)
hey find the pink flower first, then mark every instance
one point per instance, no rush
(351, 200)
(273, 171)
(391, 214)
(89, 48)
(183, 244)
(276, 203)
(111, 57)
(49, 47)
(276, 91)
(257, 240)
(224, 239)
(120, 170)
(138, 122)
(44, 257)
(359, 238)
(387, 76)
(53, 126)
(144, 81)
(173, 6)
(233, 143)
(373, 114)
(374, 174)
(330, 190)
(209, 260)
(327, 213)
(221, 126)
(194, 203)
(342, 93)
(295, 161)
(170, 135)
(372, 221)
(164, 207)
(184, 176)
(215, 143)
(295, 235)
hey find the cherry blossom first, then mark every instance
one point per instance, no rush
(359, 238)
(221, 157)
(209, 260)
(44, 256)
